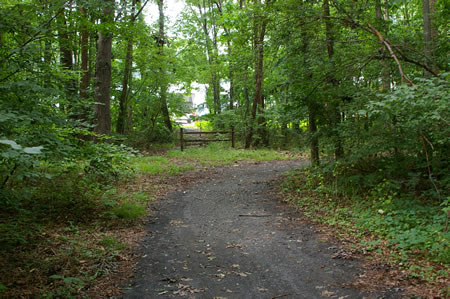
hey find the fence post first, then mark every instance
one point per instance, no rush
(181, 139)
(232, 137)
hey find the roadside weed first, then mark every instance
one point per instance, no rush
(217, 154)
(157, 165)
(383, 220)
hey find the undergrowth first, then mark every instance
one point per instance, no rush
(217, 154)
(57, 223)
(381, 218)
(58, 228)
(158, 165)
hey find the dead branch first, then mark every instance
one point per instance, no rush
(388, 46)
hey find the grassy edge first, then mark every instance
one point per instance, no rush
(326, 211)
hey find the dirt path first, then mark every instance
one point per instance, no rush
(230, 237)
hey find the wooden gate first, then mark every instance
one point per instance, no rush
(198, 137)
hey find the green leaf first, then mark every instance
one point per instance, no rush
(35, 150)
(12, 143)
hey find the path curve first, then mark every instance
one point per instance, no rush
(231, 237)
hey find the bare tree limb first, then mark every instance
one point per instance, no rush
(140, 10)
(388, 46)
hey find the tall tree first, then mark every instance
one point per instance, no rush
(123, 121)
(260, 23)
(84, 44)
(163, 69)
(66, 53)
(385, 66)
(334, 105)
(310, 103)
(429, 34)
(103, 70)
(229, 50)
(207, 14)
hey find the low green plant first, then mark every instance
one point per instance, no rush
(218, 154)
(130, 211)
(158, 165)
(68, 287)
(204, 125)
(408, 224)
(112, 243)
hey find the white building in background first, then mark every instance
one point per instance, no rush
(195, 102)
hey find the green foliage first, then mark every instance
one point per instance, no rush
(410, 225)
(111, 243)
(108, 162)
(204, 125)
(400, 136)
(130, 211)
(217, 154)
(70, 285)
(157, 165)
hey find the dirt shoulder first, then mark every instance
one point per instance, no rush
(230, 236)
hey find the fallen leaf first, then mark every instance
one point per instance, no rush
(234, 245)
(327, 293)
(242, 274)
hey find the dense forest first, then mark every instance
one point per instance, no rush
(362, 86)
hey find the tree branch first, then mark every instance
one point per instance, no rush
(388, 46)
(35, 36)
(140, 10)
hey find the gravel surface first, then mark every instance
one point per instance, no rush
(230, 236)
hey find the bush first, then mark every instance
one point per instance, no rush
(130, 211)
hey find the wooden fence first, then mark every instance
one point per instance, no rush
(185, 141)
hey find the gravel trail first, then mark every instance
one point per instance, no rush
(231, 237)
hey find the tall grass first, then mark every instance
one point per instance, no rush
(158, 165)
(217, 154)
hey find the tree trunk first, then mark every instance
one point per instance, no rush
(385, 66)
(258, 100)
(164, 84)
(230, 67)
(335, 113)
(246, 92)
(215, 77)
(102, 112)
(314, 143)
(85, 71)
(211, 52)
(312, 126)
(428, 33)
(123, 126)
(66, 55)
(230, 75)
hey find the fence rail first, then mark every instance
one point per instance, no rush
(184, 142)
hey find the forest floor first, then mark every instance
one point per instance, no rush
(230, 235)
